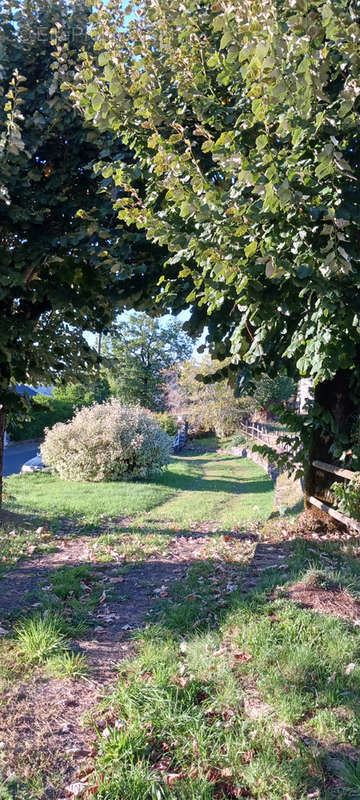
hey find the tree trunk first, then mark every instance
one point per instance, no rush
(334, 396)
(2, 432)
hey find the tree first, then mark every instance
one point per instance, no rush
(244, 122)
(142, 348)
(209, 406)
(270, 394)
(63, 256)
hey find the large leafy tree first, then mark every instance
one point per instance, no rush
(244, 119)
(141, 349)
(63, 257)
(210, 406)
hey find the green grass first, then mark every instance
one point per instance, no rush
(179, 722)
(46, 493)
(196, 488)
(40, 637)
(68, 665)
(20, 539)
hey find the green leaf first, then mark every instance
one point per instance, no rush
(97, 101)
(226, 38)
(250, 249)
(104, 58)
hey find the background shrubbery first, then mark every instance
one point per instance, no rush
(44, 412)
(167, 423)
(107, 442)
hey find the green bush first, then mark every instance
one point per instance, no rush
(44, 412)
(167, 423)
(239, 440)
(79, 394)
(347, 497)
(107, 442)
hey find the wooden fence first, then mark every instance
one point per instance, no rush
(259, 432)
(345, 474)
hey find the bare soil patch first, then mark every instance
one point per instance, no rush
(332, 599)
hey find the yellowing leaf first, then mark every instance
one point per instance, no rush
(250, 249)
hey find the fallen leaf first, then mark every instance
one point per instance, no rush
(220, 652)
(332, 677)
(226, 772)
(194, 772)
(241, 656)
(76, 789)
(172, 777)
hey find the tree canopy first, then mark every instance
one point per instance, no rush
(141, 349)
(243, 119)
(63, 254)
(244, 123)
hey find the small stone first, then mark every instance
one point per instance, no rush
(76, 751)
(349, 668)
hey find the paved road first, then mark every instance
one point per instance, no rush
(16, 454)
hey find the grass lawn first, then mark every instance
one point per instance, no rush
(230, 690)
(194, 488)
(260, 700)
(220, 487)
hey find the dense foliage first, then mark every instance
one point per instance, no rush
(347, 497)
(43, 412)
(244, 121)
(50, 267)
(141, 348)
(206, 407)
(167, 422)
(107, 442)
(63, 255)
(270, 394)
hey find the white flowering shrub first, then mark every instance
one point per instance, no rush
(107, 442)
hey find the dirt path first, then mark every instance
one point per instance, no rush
(40, 719)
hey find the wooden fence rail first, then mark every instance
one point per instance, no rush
(259, 433)
(347, 475)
